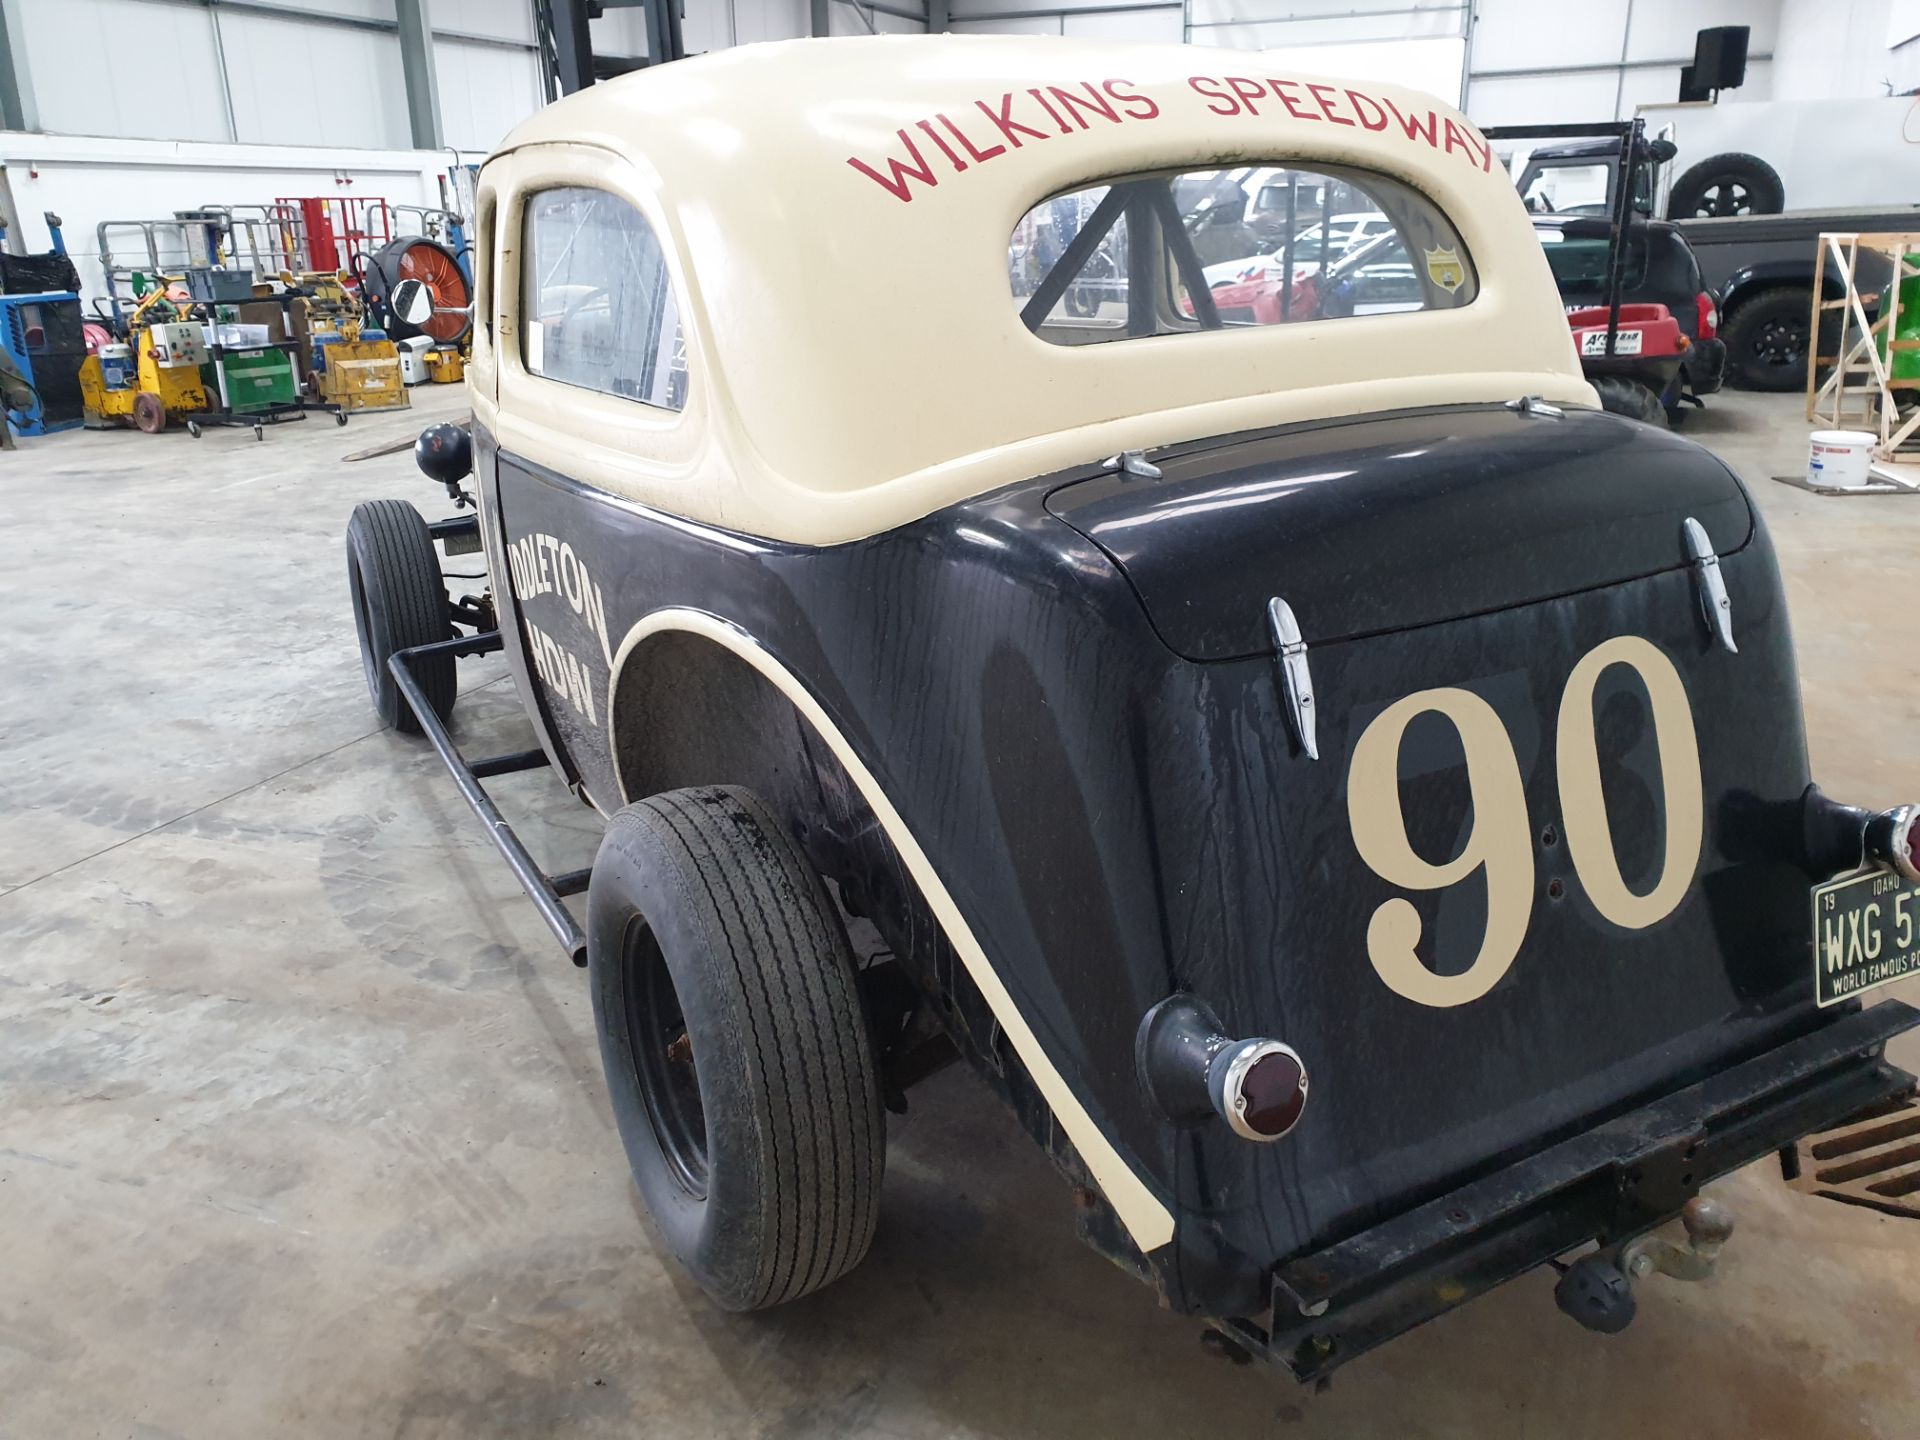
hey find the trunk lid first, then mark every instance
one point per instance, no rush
(1384, 523)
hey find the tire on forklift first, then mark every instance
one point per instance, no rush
(1631, 399)
(399, 601)
(736, 1047)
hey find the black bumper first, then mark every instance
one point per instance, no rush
(1705, 366)
(1609, 1183)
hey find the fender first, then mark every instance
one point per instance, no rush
(1146, 1218)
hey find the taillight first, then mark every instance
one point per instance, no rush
(1893, 838)
(1709, 316)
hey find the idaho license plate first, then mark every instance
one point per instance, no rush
(1866, 933)
(1625, 342)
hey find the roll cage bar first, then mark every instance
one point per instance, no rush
(1147, 203)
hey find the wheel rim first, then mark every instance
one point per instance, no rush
(1725, 197)
(663, 1059)
(1781, 342)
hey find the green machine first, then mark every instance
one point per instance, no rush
(1904, 368)
(257, 380)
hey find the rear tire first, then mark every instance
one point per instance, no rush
(1766, 338)
(735, 1045)
(1631, 399)
(399, 601)
(1729, 184)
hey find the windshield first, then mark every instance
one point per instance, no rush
(1169, 253)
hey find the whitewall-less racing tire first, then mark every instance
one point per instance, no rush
(736, 1048)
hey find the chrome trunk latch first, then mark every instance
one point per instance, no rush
(1714, 604)
(1535, 406)
(1131, 465)
(1296, 681)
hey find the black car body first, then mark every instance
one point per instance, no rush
(1657, 267)
(1343, 699)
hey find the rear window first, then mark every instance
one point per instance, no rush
(1177, 251)
(1579, 263)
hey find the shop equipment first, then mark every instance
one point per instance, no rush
(447, 312)
(1874, 385)
(42, 336)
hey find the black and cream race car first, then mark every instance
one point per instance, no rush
(1342, 789)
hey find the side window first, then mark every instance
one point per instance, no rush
(1168, 253)
(598, 309)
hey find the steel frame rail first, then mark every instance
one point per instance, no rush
(546, 891)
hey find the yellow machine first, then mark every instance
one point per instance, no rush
(346, 370)
(155, 377)
(446, 367)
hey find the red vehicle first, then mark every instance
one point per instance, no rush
(1637, 374)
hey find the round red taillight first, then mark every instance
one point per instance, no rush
(1260, 1088)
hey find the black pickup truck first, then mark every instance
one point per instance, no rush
(1759, 269)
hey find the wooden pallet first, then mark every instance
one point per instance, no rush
(1872, 1160)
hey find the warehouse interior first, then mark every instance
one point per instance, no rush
(308, 1127)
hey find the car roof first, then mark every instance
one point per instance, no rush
(836, 215)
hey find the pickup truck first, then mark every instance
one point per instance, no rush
(1759, 269)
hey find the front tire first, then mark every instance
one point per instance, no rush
(736, 1049)
(1630, 398)
(399, 601)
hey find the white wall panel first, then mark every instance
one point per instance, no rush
(300, 83)
(1161, 26)
(151, 69)
(844, 18)
(1665, 29)
(503, 19)
(484, 91)
(1534, 34)
(361, 9)
(1028, 25)
(769, 19)
(1542, 100)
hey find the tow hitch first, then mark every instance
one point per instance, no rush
(1597, 1290)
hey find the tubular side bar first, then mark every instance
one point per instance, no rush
(543, 889)
(1611, 1182)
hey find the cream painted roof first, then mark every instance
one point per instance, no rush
(839, 212)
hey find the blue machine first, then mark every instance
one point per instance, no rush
(42, 335)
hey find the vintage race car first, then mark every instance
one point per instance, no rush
(1346, 792)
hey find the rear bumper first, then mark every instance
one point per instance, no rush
(1705, 366)
(1608, 1183)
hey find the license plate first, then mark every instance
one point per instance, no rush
(1866, 933)
(1626, 342)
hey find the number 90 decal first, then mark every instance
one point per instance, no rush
(1500, 842)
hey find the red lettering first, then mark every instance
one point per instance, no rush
(1321, 93)
(900, 173)
(1411, 124)
(1200, 83)
(974, 150)
(1379, 120)
(1004, 122)
(1248, 90)
(1073, 104)
(1128, 99)
(1065, 129)
(1454, 137)
(945, 149)
(1291, 102)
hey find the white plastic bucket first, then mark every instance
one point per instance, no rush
(1839, 459)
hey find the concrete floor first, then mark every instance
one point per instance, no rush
(301, 1124)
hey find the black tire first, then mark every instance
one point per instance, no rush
(1766, 337)
(1631, 399)
(399, 601)
(736, 1050)
(1729, 184)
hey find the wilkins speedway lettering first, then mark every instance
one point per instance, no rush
(545, 565)
(991, 126)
